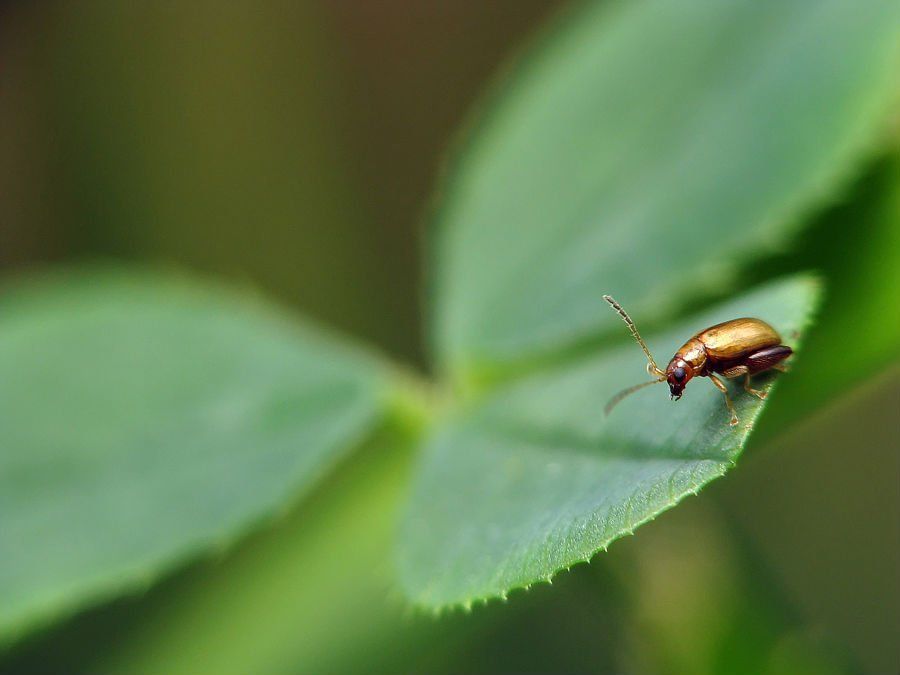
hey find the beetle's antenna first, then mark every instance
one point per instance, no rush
(634, 333)
(614, 401)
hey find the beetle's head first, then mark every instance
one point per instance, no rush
(678, 374)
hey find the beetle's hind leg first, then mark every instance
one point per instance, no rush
(721, 387)
(761, 395)
(737, 371)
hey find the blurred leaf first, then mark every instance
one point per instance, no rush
(144, 419)
(650, 148)
(313, 595)
(858, 247)
(310, 594)
(292, 597)
(538, 479)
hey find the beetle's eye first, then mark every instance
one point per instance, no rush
(678, 374)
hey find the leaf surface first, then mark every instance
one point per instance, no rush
(145, 419)
(651, 147)
(537, 479)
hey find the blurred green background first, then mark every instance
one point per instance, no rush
(293, 146)
(289, 144)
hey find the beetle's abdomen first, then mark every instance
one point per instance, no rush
(737, 338)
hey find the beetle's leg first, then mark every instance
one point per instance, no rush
(750, 390)
(737, 371)
(721, 387)
(780, 367)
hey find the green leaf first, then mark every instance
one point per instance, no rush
(145, 419)
(537, 479)
(651, 146)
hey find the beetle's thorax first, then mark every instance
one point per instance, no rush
(688, 362)
(693, 353)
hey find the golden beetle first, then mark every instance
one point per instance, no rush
(740, 347)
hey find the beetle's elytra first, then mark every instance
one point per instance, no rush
(740, 347)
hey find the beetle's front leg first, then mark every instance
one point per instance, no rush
(737, 371)
(721, 387)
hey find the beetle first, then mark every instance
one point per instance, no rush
(740, 347)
